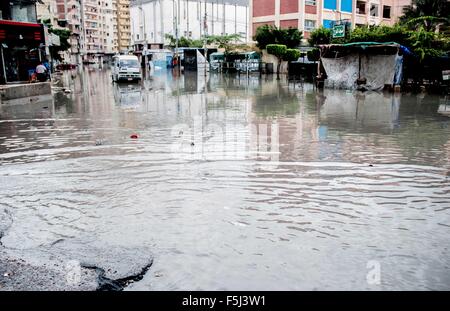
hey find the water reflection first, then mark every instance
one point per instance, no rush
(234, 183)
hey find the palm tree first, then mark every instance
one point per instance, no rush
(427, 13)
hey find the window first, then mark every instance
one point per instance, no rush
(346, 5)
(374, 10)
(328, 23)
(360, 7)
(386, 11)
(309, 24)
(310, 2)
(329, 4)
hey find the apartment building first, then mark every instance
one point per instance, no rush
(46, 11)
(69, 15)
(307, 15)
(22, 40)
(123, 25)
(100, 27)
(151, 20)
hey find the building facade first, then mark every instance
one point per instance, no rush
(99, 27)
(22, 40)
(123, 25)
(307, 15)
(46, 11)
(151, 20)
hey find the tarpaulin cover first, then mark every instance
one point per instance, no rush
(343, 72)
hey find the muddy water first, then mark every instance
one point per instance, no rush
(234, 184)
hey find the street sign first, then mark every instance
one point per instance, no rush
(338, 31)
(446, 75)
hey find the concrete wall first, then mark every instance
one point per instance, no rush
(269, 58)
(8, 92)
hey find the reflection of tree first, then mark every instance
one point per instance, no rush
(283, 102)
(421, 131)
(62, 99)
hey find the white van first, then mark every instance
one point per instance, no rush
(126, 68)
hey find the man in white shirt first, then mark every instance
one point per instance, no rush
(41, 72)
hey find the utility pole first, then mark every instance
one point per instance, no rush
(235, 21)
(206, 34)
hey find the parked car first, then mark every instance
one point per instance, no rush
(126, 68)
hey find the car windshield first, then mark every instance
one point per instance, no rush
(129, 63)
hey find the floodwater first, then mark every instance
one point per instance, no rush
(234, 184)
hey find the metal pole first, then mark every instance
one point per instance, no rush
(3, 63)
(206, 33)
(235, 21)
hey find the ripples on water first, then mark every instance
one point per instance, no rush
(359, 178)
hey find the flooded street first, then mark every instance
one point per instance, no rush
(234, 184)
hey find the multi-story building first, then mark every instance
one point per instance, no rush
(22, 43)
(151, 20)
(99, 27)
(69, 16)
(307, 15)
(46, 11)
(123, 25)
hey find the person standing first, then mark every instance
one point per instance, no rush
(41, 72)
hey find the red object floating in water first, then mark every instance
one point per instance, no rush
(134, 136)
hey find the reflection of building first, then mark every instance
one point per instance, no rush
(372, 110)
(153, 19)
(21, 40)
(309, 14)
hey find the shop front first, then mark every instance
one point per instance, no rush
(22, 48)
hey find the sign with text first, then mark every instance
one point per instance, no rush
(339, 31)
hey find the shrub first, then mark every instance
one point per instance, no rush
(268, 34)
(313, 55)
(276, 49)
(291, 55)
(320, 36)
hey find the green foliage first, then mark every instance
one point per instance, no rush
(183, 42)
(422, 42)
(430, 23)
(291, 55)
(313, 55)
(320, 35)
(269, 34)
(290, 37)
(264, 35)
(428, 44)
(279, 50)
(224, 41)
(426, 8)
(64, 38)
(379, 33)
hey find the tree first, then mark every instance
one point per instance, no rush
(183, 42)
(313, 55)
(264, 35)
(427, 13)
(268, 34)
(290, 37)
(64, 36)
(224, 41)
(320, 35)
(278, 50)
(291, 55)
